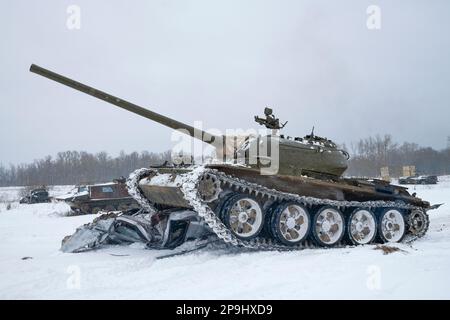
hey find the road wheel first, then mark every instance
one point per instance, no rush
(391, 225)
(243, 215)
(85, 208)
(290, 223)
(361, 226)
(328, 226)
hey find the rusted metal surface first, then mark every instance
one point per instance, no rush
(338, 189)
(108, 196)
(108, 191)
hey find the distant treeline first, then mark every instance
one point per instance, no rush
(73, 167)
(370, 154)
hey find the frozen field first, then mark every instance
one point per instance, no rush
(32, 267)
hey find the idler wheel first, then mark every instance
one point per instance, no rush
(391, 225)
(290, 223)
(362, 226)
(418, 222)
(243, 215)
(328, 226)
(85, 208)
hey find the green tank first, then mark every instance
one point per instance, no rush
(271, 191)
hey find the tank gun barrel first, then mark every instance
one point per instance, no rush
(171, 123)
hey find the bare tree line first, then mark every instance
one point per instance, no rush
(370, 154)
(73, 167)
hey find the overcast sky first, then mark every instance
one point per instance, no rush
(221, 62)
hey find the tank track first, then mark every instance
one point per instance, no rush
(134, 191)
(189, 187)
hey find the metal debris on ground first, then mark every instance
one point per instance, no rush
(161, 231)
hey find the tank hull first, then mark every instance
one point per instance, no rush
(244, 208)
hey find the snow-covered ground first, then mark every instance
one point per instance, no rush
(32, 267)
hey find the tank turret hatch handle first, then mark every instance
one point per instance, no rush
(171, 123)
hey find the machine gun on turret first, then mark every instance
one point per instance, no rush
(270, 121)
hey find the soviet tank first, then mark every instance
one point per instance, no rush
(272, 191)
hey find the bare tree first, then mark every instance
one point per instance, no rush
(74, 167)
(370, 154)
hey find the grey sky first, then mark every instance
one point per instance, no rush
(222, 62)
